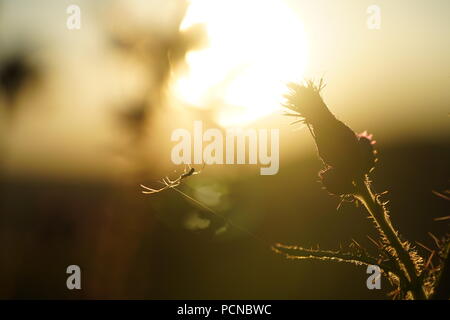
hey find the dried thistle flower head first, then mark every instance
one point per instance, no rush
(347, 155)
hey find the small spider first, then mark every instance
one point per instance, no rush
(188, 171)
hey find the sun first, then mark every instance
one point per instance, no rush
(255, 47)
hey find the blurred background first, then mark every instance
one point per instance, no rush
(86, 116)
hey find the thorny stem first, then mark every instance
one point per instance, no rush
(376, 210)
(441, 291)
(295, 252)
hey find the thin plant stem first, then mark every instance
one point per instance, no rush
(381, 219)
(296, 252)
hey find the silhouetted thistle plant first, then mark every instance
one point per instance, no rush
(348, 159)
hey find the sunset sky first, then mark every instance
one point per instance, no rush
(393, 81)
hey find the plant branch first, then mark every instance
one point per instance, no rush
(296, 252)
(442, 291)
(384, 226)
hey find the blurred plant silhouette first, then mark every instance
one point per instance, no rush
(15, 72)
(349, 158)
(159, 52)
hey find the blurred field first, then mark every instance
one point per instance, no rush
(130, 246)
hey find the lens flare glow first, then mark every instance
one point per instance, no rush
(255, 47)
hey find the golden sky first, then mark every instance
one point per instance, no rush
(393, 81)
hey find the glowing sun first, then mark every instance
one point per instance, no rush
(255, 47)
